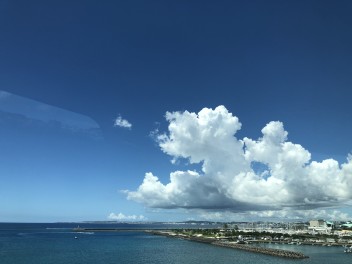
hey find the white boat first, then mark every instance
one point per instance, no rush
(348, 249)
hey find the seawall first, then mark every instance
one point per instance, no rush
(267, 251)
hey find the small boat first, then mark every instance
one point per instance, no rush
(76, 237)
(348, 249)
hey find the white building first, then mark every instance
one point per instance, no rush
(320, 226)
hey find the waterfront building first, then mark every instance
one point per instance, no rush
(320, 226)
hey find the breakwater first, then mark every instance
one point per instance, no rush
(267, 251)
(95, 229)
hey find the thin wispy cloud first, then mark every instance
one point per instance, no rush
(4, 94)
(17, 109)
(228, 181)
(120, 122)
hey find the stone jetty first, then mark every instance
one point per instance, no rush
(262, 250)
(267, 251)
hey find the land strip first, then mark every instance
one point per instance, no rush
(213, 241)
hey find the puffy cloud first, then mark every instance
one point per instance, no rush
(287, 214)
(228, 179)
(120, 122)
(272, 215)
(330, 214)
(122, 217)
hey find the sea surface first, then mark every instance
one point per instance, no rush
(56, 244)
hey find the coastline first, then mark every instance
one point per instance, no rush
(223, 241)
(137, 246)
(267, 251)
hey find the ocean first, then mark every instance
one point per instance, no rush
(56, 244)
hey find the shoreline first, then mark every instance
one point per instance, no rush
(223, 241)
(212, 241)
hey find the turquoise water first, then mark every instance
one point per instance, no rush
(55, 243)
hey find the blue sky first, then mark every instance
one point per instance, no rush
(69, 69)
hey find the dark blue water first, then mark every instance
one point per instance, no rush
(56, 243)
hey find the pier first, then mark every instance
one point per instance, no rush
(80, 229)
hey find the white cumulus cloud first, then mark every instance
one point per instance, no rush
(120, 122)
(123, 217)
(274, 215)
(228, 180)
(287, 214)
